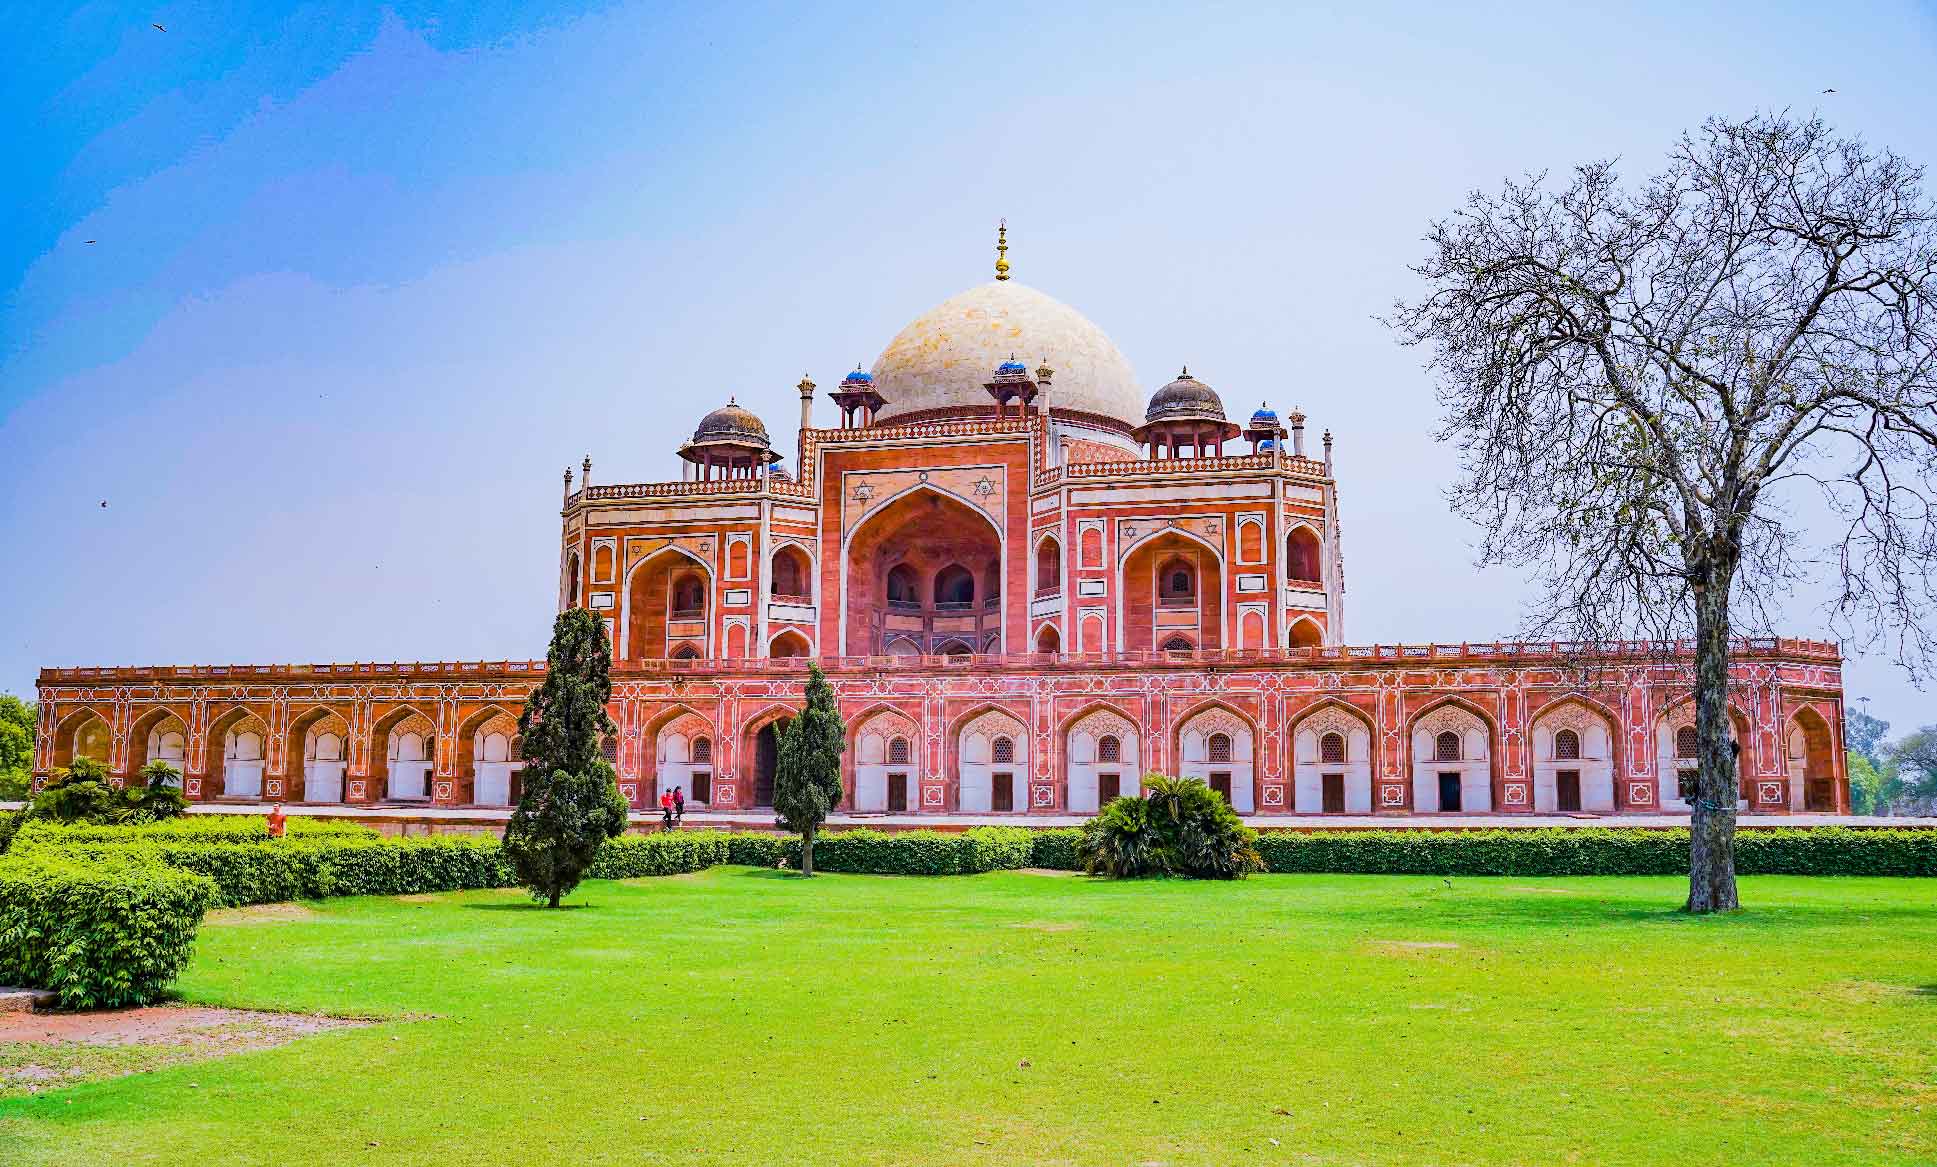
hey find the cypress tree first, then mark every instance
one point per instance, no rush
(570, 803)
(807, 774)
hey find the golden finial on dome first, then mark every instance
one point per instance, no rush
(1002, 249)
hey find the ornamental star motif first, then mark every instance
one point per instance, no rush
(863, 492)
(984, 487)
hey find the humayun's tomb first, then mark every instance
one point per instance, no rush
(1029, 584)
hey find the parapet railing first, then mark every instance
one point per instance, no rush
(1161, 468)
(1479, 651)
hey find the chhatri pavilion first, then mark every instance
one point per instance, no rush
(1032, 578)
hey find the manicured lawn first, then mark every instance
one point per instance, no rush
(749, 1017)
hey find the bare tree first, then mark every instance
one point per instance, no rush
(1647, 384)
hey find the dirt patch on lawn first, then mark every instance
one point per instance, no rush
(1048, 925)
(164, 1023)
(41, 1051)
(260, 914)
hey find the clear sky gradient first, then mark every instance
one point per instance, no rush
(365, 280)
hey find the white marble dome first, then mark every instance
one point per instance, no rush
(943, 358)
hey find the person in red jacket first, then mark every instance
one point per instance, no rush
(276, 821)
(666, 810)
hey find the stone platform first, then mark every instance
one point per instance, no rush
(407, 819)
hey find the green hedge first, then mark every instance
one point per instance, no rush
(185, 829)
(269, 871)
(873, 852)
(101, 936)
(1596, 851)
(1057, 849)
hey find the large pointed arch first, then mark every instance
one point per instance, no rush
(1206, 595)
(888, 506)
(624, 635)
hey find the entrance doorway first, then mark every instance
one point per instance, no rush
(1002, 792)
(1109, 787)
(702, 785)
(1222, 784)
(1333, 794)
(1567, 790)
(1449, 791)
(766, 759)
(897, 792)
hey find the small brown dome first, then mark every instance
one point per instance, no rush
(731, 423)
(1185, 399)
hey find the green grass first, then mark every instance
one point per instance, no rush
(750, 1017)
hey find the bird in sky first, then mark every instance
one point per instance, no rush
(91, 242)
(157, 28)
(1829, 91)
(104, 504)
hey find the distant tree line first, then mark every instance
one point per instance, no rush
(1891, 777)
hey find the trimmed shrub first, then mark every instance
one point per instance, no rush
(1598, 851)
(755, 850)
(870, 852)
(10, 823)
(213, 829)
(269, 871)
(632, 856)
(101, 936)
(1057, 849)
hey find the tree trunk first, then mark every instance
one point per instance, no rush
(553, 902)
(807, 851)
(1711, 827)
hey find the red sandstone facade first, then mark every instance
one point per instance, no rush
(1024, 604)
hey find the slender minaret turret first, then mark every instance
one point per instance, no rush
(806, 388)
(1297, 420)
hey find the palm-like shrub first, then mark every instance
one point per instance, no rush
(79, 793)
(158, 797)
(1119, 841)
(1181, 827)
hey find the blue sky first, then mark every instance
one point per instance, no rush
(365, 280)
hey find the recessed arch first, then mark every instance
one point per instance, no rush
(790, 643)
(1144, 560)
(792, 578)
(1231, 770)
(952, 531)
(1462, 783)
(1575, 744)
(234, 765)
(1093, 774)
(1049, 639)
(1305, 633)
(1810, 761)
(1337, 781)
(1049, 564)
(1304, 555)
(69, 727)
(644, 619)
(991, 749)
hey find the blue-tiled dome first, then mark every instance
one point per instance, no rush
(1011, 366)
(858, 377)
(1264, 418)
(1268, 444)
